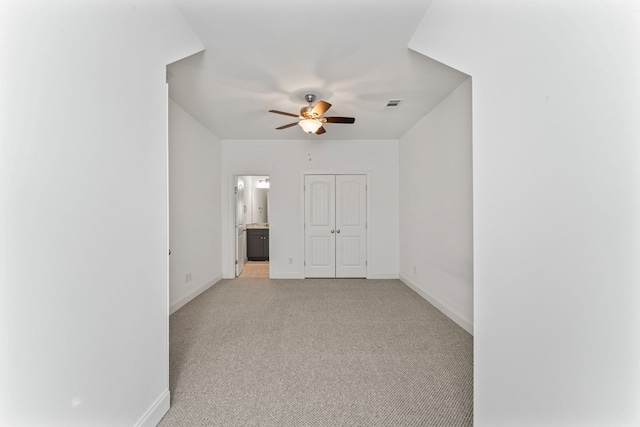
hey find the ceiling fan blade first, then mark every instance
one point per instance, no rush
(287, 126)
(340, 119)
(282, 112)
(320, 130)
(320, 108)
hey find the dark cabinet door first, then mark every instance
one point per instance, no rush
(257, 244)
(254, 247)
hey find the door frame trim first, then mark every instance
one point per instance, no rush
(229, 229)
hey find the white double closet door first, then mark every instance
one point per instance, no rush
(335, 211)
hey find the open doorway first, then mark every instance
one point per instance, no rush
(252, 200)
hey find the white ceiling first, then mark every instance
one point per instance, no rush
(261, 55)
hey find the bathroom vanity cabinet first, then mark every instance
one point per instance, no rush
(258, 244)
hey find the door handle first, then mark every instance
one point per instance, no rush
(332, 231)
(338, 231)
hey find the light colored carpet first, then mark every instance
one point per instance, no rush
(255, 269)
(317, 352)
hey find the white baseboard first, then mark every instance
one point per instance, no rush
(191, 295)
(287, 276)
(383, 276)
(450, 312)
(299, 276)
(154, 414)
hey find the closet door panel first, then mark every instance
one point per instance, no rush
(351, 226)
(320, 234)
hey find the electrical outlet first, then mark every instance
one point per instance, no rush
(187, 277)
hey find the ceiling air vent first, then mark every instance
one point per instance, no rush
(394, 103)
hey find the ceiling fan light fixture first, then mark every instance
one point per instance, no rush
(310, 125)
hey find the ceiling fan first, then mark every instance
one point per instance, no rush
(311, 119)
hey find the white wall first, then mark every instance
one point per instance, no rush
(556, 178)
(436, 207)
(83, 210)
(285, 162)
(194, 207)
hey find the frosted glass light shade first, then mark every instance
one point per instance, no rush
(310, 125)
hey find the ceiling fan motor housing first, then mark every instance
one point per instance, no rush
(307, 112)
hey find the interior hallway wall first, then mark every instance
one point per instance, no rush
(83, 210)
(194, 207)
(556, 172)
(285, 161)
(436, 207)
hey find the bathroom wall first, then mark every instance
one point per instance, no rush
(260, 205)
(252, 187)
